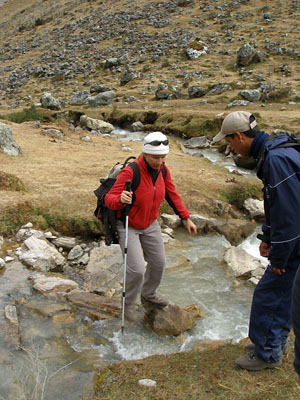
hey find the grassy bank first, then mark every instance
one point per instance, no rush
(209, 374)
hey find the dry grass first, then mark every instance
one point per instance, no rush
(59, 176)
(198, 375)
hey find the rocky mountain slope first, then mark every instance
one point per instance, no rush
(67, 47)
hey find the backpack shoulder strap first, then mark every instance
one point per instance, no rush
(164, 172)
(136, 175)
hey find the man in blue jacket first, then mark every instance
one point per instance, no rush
(279, 169)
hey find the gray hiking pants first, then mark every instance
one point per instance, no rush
(143, 245)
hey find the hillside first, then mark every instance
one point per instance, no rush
(144, 51)
(64, 47)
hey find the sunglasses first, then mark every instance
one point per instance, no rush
(158, 142)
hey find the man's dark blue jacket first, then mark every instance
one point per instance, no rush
(280, 171)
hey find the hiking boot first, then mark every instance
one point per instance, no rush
(130, 314)
(251, 348)
(254, 363)
(155, 300)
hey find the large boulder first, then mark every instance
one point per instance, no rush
(235, 230)
(102, 99)
(240, 262)
(104, 271)
(171, 320)
(247, 55)
(7, 143)
(50, 102)
(96, 124)
(40, 255)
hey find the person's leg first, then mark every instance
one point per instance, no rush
(135, 263)
(270, 318)
(296, 320)
(154, 253)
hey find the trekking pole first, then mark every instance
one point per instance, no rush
(127, 208)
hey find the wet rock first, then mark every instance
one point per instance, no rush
(46, 309)
(2, 263)
(137, 126)
(169, 321)
(96, 124)
(7, 143)
(197, 142)
(255, 208)
(65, 242)
(104, 269)
(245, 162)
(240, 262)
(10, 327)
(202, 223)
(76, 252)
(50, 286)
(97, 307)
(172, 221)
(41, 255)
(235, 230)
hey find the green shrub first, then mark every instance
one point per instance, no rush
(27, 114)
(239, 192)
(41, 21)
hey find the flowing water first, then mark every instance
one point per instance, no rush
(60, 358)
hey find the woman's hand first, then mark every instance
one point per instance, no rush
(126, 197)
(190, 226)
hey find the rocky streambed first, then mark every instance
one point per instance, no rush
(60, 304)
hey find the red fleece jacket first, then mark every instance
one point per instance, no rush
(148, 196)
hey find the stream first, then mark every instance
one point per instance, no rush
(60, 357)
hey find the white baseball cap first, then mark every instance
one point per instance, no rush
(156, 143)
(235, 121)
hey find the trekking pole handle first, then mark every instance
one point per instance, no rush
(128, 189)
(128, 185)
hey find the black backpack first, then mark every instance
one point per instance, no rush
(102, 212)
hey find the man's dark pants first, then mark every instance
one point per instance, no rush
(270, 318)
